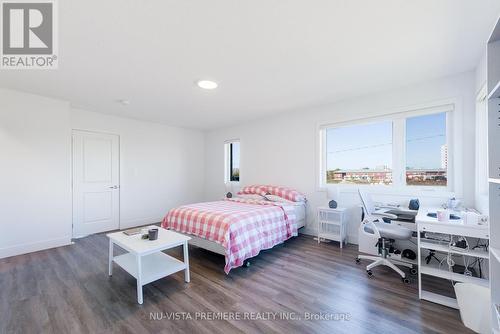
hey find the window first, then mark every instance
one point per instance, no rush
(232, 161)
(403, 149)
(426, 150)
(359, 159)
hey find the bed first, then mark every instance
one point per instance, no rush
(238, 228)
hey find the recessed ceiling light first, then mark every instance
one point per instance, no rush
(207, 84)
(123, 102)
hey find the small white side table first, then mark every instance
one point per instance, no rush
(332, 224)
(145, 259)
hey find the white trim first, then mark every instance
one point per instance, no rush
(450, 144)
(482, 95)
(139, 222)
(395, 192)
(227, 172)
(481, 154)
(34, 247)
(425, 109)
(229, 141)
(320, 159)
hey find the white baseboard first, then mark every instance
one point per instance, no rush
(139, 222)
(351, 239)
(34, 247)
(308, 231)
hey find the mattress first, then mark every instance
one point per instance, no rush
(300, 211)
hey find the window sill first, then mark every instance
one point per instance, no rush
(232, 182)
(407, 191)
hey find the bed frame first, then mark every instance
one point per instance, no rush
(214, 247)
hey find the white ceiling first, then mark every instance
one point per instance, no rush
(267, 56)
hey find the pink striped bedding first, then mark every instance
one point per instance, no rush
(283, 192)
(243, 227)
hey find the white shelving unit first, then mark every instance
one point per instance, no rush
(493, 73)
(154, 266)
(426, 224)
(443, 247)
(495, 252)
(443, 272)
(332, 224)
(493, 180)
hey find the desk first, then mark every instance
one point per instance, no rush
(452, 228)
(400, 211)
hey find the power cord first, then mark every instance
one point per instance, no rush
(460, 243)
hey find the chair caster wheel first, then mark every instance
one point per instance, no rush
(246, 264)
(406, 280)
(358, 261)
(369, 273)
(413, 271)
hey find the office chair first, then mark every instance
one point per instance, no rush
(376, 225)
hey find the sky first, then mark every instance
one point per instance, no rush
(370, 145)
(424, 137)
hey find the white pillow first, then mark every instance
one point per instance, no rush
(251, 196)
(275, 198)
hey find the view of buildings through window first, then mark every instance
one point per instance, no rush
(234, 161)
(363, 154)
(426, 150)
(359, 154)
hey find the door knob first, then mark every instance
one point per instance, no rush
(113, 187)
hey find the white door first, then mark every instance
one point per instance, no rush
(96, 188)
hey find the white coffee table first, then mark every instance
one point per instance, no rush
(145, 259)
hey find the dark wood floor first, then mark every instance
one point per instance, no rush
(67, 290)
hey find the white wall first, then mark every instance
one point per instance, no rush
(481, 191)
(161, 167)
(481, 72)
(282, 149)
(35, 178)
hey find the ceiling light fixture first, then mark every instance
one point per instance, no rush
(123, 102)
(207, 84)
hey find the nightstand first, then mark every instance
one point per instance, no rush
(332, 224)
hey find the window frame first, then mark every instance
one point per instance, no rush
(481, 158)
(228, 161)
(398, 149)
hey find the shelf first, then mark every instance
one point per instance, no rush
(331, 210)
(445, 248)
(329, 236)
(154, 266)
(439, 299)
(495, 92)
(496, 253)
(455, 228)
(330, 222)
(494, 180)
(434, 270)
